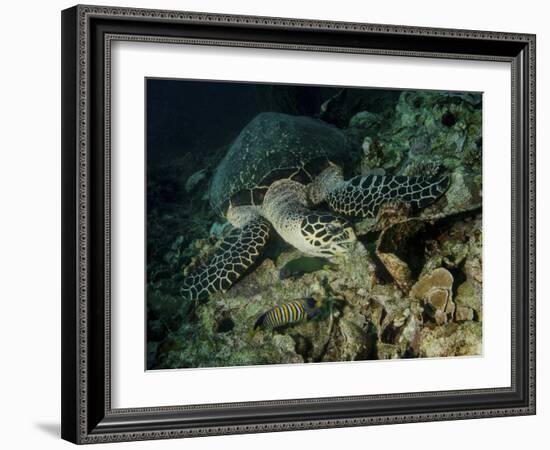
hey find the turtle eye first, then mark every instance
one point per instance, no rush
(333, 228)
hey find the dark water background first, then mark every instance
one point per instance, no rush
(186, 115)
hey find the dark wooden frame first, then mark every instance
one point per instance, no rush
(87, 32)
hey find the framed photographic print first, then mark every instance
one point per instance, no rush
(282, 224)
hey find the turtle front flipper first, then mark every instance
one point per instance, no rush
(237, 252)
(363, 196)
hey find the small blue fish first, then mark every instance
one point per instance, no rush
(288, 313)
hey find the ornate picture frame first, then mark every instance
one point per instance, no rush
(88, 33)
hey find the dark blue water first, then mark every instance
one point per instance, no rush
(187, 115)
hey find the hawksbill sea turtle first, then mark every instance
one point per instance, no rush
(276, 175)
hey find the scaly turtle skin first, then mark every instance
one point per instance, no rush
(362, 196)
(276, 169)
(235, 255)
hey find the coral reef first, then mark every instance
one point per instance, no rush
(435, 290)
(411, 287)
(425, 127)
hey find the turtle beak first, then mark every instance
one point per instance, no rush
(348, 236)
(344, 242)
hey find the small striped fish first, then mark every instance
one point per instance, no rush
(292, 312)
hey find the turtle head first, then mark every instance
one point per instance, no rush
(326, 235)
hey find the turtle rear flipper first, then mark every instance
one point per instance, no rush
(363, 196)
(237, 252)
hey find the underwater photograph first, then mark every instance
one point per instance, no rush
(310, 224)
